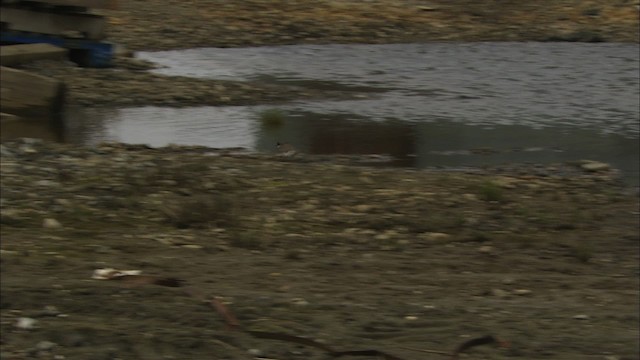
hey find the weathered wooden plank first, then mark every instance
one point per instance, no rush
(24, 53)
(30, 95)
(96, 4)
(81, 25)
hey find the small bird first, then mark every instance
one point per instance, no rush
(285, 149)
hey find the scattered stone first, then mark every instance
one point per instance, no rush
(486, 249)
(299, 302)
(50, 223)
(255, 352)
(506, 182)
(469, 197)
(594, 166)
(522, 292)
(45, 345)
(4, 152)
(581, 317)
(363, 208)
(383, 236)
(434, 236)
(499, 293)
(47, 183)
(49, 310)
(411, 318)
(192, 246)
(25, 323)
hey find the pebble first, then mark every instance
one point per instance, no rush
(411, 317)
(4, 152)
(433, 236)
(192, 246)
(49, 310)
(594, 166)
(485, 249)
(522, 292)
(47, 183)
(499, 293)
(45, 345)
(50, 223)
(299, 301)
(581, 317)
(25, 323)
(255, 352)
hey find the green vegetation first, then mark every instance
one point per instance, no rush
(272, 118)
(490, 191)
(200, 211)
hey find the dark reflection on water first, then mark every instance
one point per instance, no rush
(449, 144)
(439, 144)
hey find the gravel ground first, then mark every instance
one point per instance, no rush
(359, 258)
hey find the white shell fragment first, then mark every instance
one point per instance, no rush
(110, 273)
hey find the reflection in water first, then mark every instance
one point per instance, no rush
(435, 105)
(216, 127)
(423, 145)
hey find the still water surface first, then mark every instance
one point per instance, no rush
(429, 104)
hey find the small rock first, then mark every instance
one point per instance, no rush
(363, 208)
(46, 183)
(508, 281)
(581, 317)
(383, 236)
(63, 202)
(299, 301)
(255, 352)
(25, 323)
(49, 310)
(522, 292)
(50, 223)
(594, 166)
(45, 345)
(411, 317)
(27, 149)
(434, 236)
(485, 249)
(470, 197)
(192, 246)
(499, 293)
(4, 152)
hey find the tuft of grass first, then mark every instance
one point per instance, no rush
(593, 11)
(200, 211)
(250, 240)
(490, 191)
(583, 251)
(582, 35)
(272, 117)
